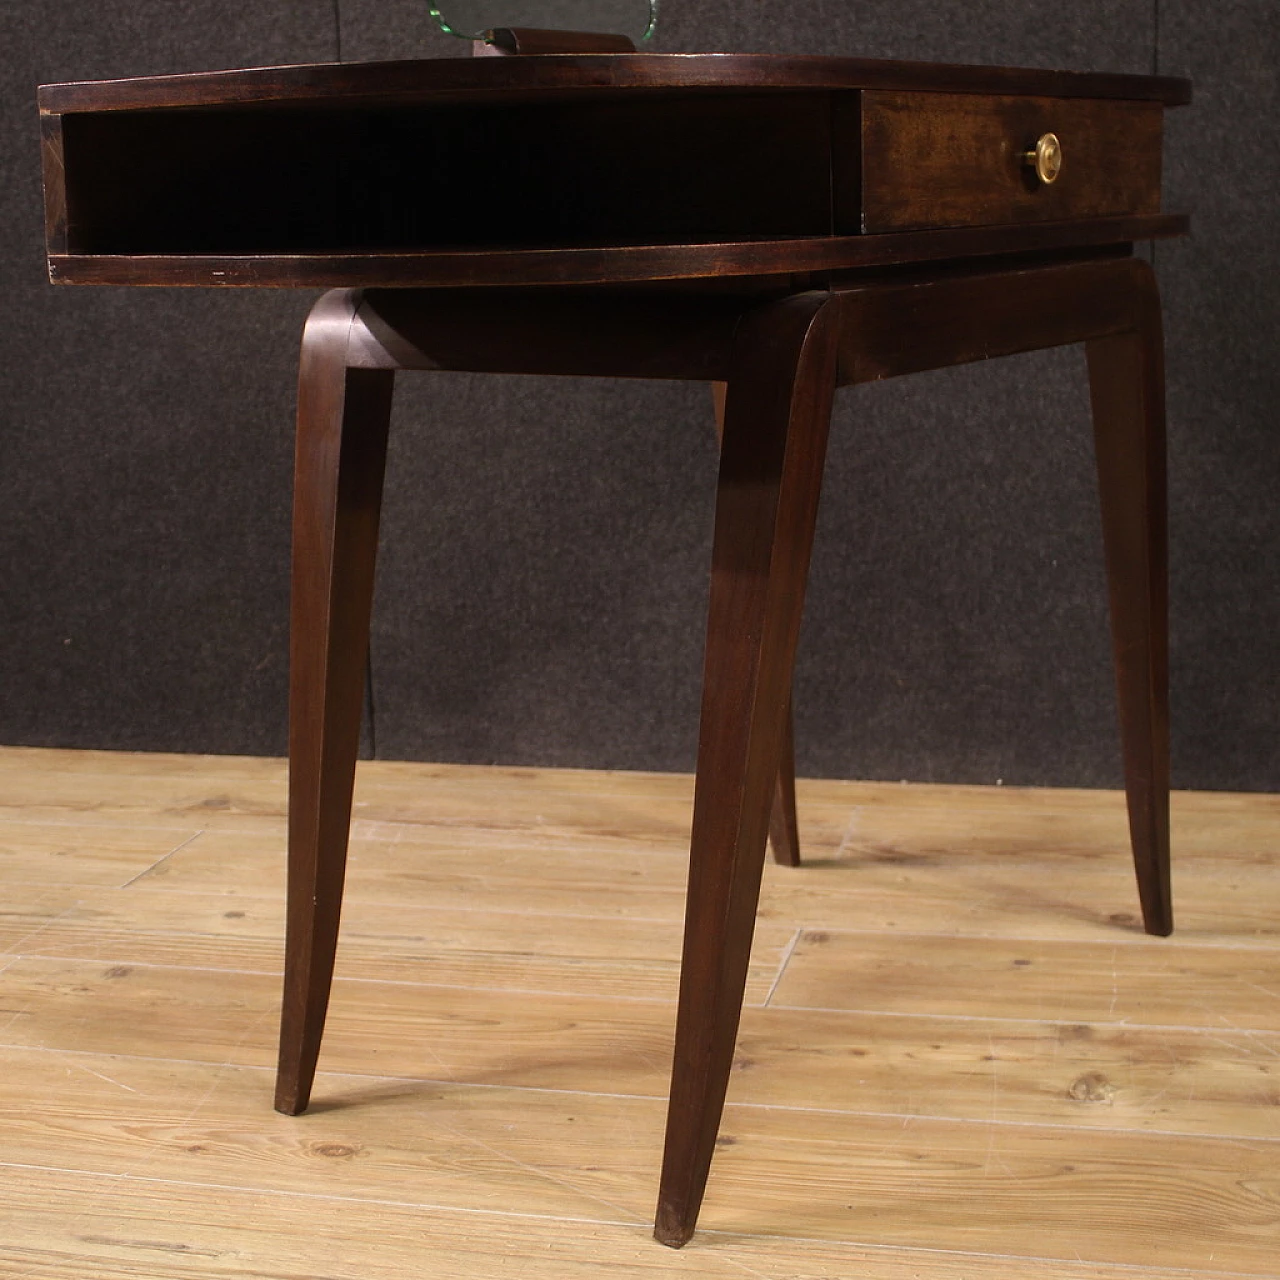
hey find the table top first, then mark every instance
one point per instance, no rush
(572, 169)
(542, 75)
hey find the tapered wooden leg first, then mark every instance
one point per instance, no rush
(778, 412)
(784, 829)
(1126, 378)
(784, 836)
(341, 453)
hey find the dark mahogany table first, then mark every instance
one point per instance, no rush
(782, 225)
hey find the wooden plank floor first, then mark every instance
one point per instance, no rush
(961, 1056)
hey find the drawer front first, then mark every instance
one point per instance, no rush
(957, 160)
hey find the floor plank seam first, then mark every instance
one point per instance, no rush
(782, 966)
(339, 979)
(1138, 1269)
(539, 1172)
(129, 821)
(1003, 1019)
(327, 1197)
(1123, 1024)
(82, 826)
(16, 949)
(462, 1084)
(161, 861)
(631, 1225)
(1157, 945)
(354, 899)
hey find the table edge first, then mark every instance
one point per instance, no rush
(462, 79)
(630, 264)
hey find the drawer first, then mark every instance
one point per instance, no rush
(954, 160)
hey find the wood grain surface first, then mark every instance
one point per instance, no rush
(764, 260)
(941, 159)
(999, 1074)
(467, 79)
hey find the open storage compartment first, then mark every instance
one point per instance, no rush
(280, 179)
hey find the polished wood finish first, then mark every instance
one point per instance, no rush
(762, 275)
(955, 160)
(465, 80)
(1114, 308)
(55, 185)
(784, 830)
(343, 415)
(1126, 382)
(784, 822)
(776, 263)
(884, 330)
(768, 492)
(896, 327)
(777, 415)
(781, 360)
(291, 176)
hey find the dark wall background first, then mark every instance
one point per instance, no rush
(543, 571)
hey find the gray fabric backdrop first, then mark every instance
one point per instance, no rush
(955, 627)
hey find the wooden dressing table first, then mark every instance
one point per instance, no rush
(782, 225)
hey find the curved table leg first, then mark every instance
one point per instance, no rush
(343, 416)
(778, 413)
(784, 828)
(784, 832)
(1126, 380)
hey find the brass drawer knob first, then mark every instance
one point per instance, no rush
(1046, 159)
